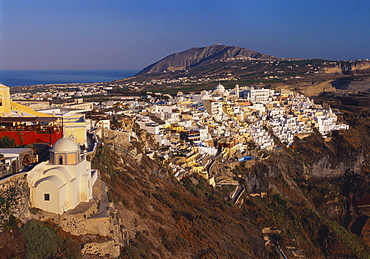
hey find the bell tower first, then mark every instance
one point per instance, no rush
(4, 100)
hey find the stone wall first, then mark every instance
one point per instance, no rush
(98, 217)
(75, 223)
(14, 199)
(107, 249)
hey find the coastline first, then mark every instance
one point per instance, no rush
(14, 78)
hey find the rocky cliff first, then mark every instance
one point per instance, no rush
(317, 88)
(14, 200)
(307, 192)
(203, 56)
(348, 68)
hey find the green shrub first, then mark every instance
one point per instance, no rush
(103, 161)
(6, 142)
(279, 200)
(110, 197)
(164, 200)
(12, 221)
(189, 185)
(71, 250)
(176, 195)
(41, 241)
(139, 248)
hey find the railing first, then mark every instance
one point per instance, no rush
(37, 129)
(91, 152)
(94, 176)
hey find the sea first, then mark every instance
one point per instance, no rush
(12, 78)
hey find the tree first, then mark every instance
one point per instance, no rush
(6, 142)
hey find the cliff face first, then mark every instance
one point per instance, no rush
(316, 89)
(309, 193)
(333, 157)
(202, 56)
(168, 219)
(348, 68)
(14, 200)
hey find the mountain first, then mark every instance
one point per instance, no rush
(195, 57)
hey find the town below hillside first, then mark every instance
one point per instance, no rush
(192, 129)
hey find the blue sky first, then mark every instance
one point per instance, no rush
(131, 34)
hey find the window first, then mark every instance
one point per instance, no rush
(46, 197)
(60, 160)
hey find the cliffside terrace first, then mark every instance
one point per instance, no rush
(27, 130)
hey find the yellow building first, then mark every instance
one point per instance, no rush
(74, 122)
(13, 109)
(4, 100)
(75, 125)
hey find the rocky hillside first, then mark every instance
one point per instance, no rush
(203, 56)
(304, 199)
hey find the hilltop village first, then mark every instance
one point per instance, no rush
(205, 134)
(190, 130)
(233, 124)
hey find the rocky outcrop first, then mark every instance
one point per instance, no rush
(326, 167)
(203, 56)
(14, 199)
(315, 89)
(97, 217)
(256, 180)
(363, 65)
(114, 137)
(341, 155)
(347, 68)
(120, 142)
(107, 249)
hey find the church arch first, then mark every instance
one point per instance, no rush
(49, 194)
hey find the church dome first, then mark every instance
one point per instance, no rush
(220, 87)
(219, 90)
(65, 145)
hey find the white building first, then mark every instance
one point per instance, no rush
(103, 123)
(63, 182)
(213, 107)
(164, 108)
(149, 126)
(258, 95)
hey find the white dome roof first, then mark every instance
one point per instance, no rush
(220, 87)
(65, 145)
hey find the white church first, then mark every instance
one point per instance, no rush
(64, 181)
